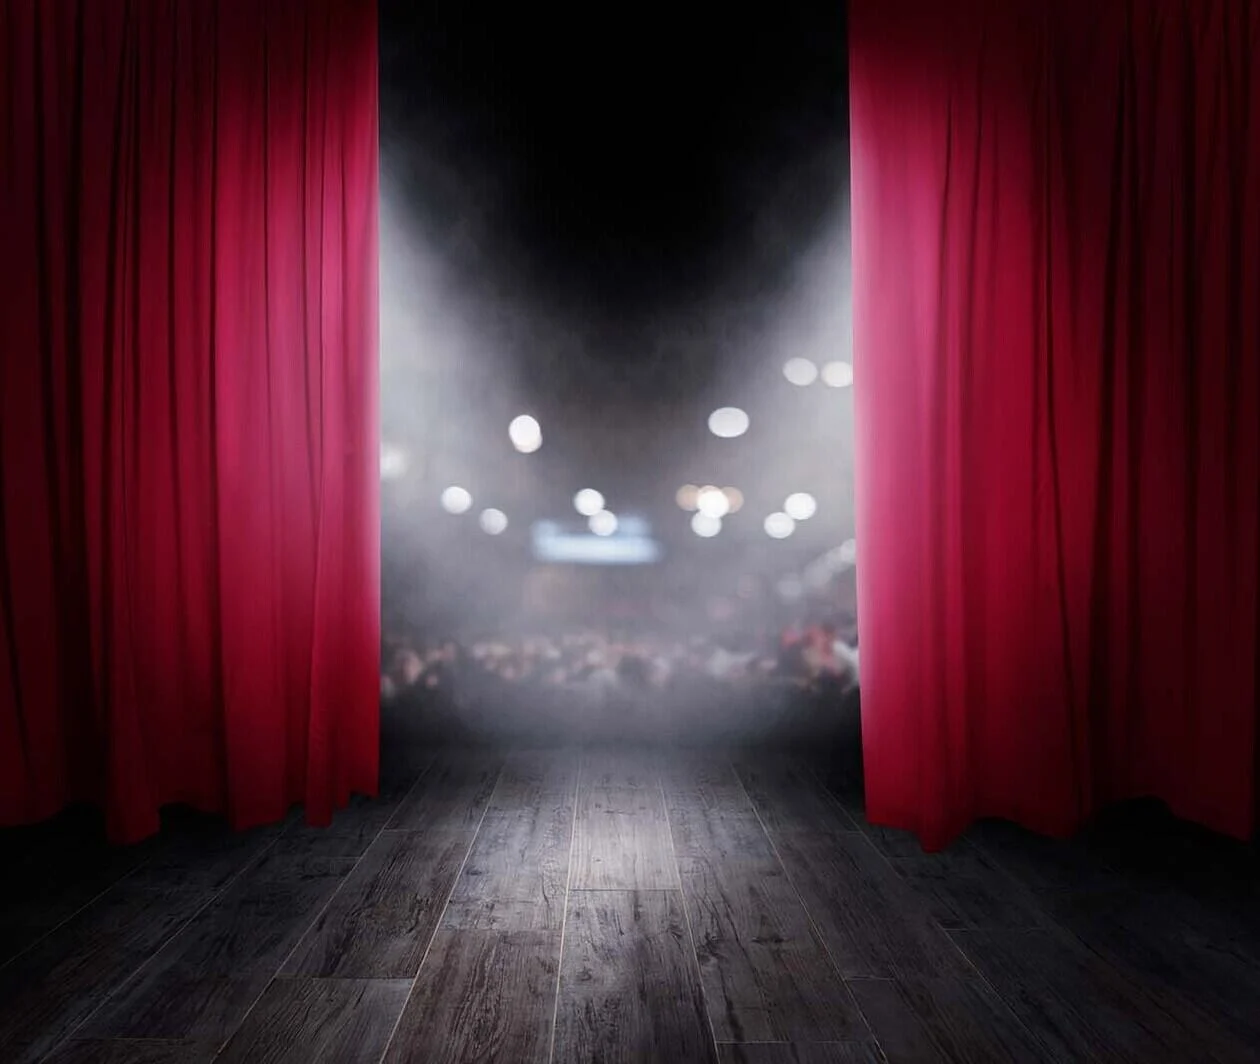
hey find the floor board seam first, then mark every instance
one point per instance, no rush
(564, 913)
(315, 919)
(441, 916)
(682, 901)
(822, 942)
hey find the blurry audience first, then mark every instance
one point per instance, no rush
(801, 683)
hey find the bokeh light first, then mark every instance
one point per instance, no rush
(837, 374)
(800, 506)
(456, 500)
(588, 502)
(705, 526)
(779, 526)
(603, 523)
(728, 422)
(525, 434)
(493, 521)
(393, 462)
(800, 371)
(712, 502)
(735, 497)
(686, 496)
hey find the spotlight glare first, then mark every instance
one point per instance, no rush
(735, 497)
(456, 500)
(837, 374)
(712, 502)
(525, 434)
(588, 502)
(800, 371)
(779, 526)
(728, 422)
(686, 497)
(603, 523)
(705, 526)
(801, 506)
(493, 521)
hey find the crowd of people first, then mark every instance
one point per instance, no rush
(799, 682)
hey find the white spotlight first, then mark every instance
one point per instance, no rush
(712, 502)
(603, 523)
(588, 502)
(848, 552)
(728, 422)
(800, 371)
(393, 461)
(801, 506)
(525, 434)
(456, 500)
(705, 526)
(837, 374)
(779, 526)
(493, 521)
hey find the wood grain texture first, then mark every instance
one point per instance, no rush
(800, 1053)
(873, 924)
(710, 814)
(206, 978)
(766, 975)
(133, 1051)
(621, 833)
(307, 1021)
(481, 996)
(1075, 1003)
(629, 982)
(962, 887)
(789, 796)
(47, 992)
(517, 871)
(452, 794)
(957, 1020)
(380, 922)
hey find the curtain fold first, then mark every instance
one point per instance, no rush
(189, 526)
(1056, 219)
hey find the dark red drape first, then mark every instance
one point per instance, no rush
(1056, 219)
(188, 442)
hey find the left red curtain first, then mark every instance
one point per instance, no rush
(189, 489)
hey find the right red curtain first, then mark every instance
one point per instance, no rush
(1056, 262)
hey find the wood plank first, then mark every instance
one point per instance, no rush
(765, 973)
(873, 924)
(516, 874)
(789, 797)
(46, 993)
(481, 996)
(621, 833)
(302, 1020)
(947, 1019)
(203, 853)
(710, 813)
(381, 920)
(963, 887)
(1076, 1004)
(204, 981)
(133, 1051)
(629, 982)
(800, 1053)
(452, 794)
(1154, 940)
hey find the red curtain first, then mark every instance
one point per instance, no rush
(1056, 260)
(188, 396)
